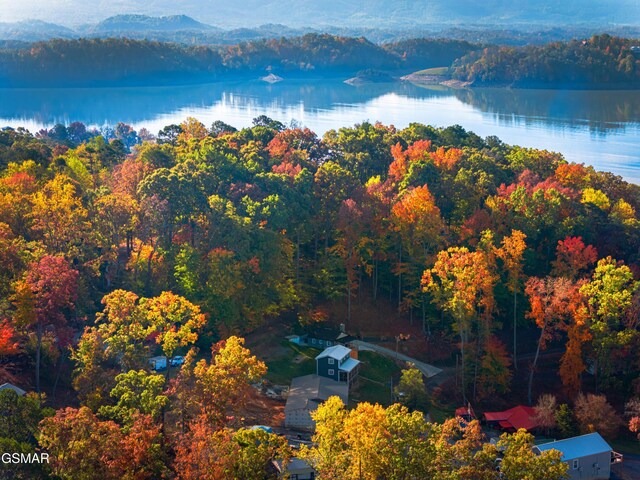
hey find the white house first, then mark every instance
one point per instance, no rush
(589, 456)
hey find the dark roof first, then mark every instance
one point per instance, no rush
(577, 447)
(295, 465)
(323, 333)
(312, 390)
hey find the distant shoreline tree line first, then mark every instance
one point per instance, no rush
(117, 61)
(602, 62)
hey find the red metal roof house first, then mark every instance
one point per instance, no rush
(513, 419)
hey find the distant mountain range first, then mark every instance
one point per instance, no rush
(174, 28)
(342, 13)
(168, 28)
(395, 26)
(34, 30)
(133, 23)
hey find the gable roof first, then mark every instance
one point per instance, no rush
(337, 351)
(9, 386)
(295, 465)
(577, 447)
(349, 364)
(311, 390)
(517, 417)
(323, 333)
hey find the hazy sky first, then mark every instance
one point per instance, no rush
(70, 12)
(310, 12)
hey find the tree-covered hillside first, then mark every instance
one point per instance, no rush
(119, 246)
(90, 62)
(599, 62)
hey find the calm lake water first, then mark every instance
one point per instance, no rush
(595, 127)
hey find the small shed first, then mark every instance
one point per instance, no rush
(10, 386)
(589, 456)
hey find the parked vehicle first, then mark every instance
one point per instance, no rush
(176, 361)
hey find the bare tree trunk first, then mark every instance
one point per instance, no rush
(462, 362)
(515, 354)
(348, 301)
(59, 370)
(38, 352)
(375, 279)
(315, 250)
(534, 364)
(475, 370)
(298, 257)
(400, 277)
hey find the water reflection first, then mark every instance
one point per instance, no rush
(599, 111)
(601, 128)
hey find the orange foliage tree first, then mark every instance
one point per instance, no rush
(461, 283)
(550, 299)
(511, 253)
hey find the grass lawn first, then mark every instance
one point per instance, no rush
(368, 391)
(378, 368)
(441, 71)
(296, 361)
(626, 445)
(375, 374)
(440, 413)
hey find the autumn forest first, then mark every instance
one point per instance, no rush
(120, 245)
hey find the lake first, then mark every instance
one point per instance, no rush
(599, 128)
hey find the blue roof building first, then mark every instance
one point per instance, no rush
(588, 456)
(337, 364)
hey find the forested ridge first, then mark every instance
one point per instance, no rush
(119, 245)
(90, 62)
(601, 61)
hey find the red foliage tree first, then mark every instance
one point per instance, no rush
(573, 257)
(205, 453)
(44, 298)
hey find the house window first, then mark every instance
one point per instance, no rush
(331, 361)
(331, 371)
(576, 464)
